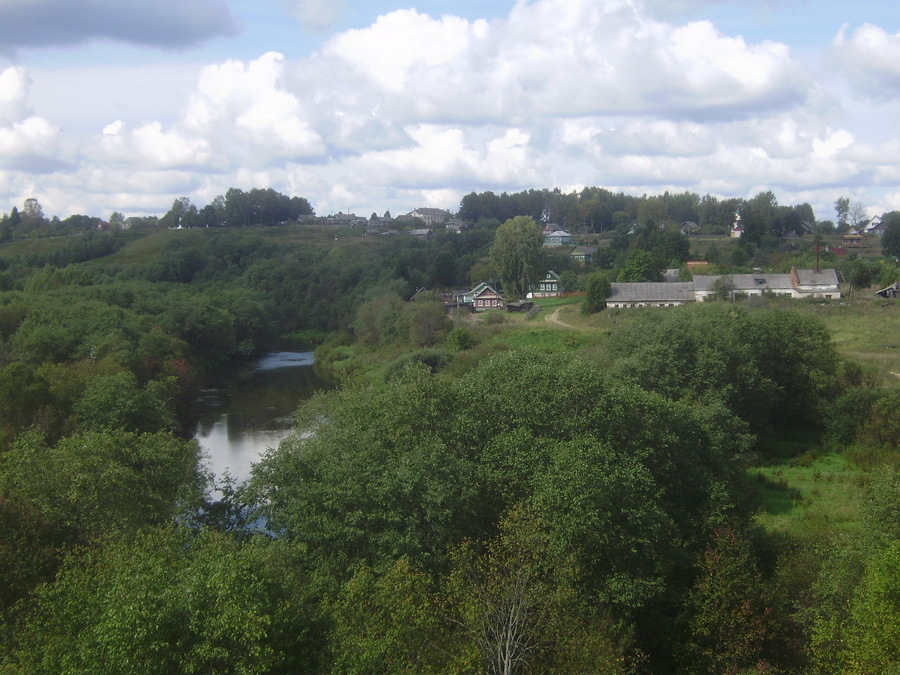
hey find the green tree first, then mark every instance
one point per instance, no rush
(98, 482)
(166, 601)
(602, 504)
(116, 220)
(890, 240)
(514, 599)
(118, 402)
(597, 290)
(729, 614)
(375, 481)
(427, 322)
(517, 255)
(873, 631)
(387, 623)
(641, 266)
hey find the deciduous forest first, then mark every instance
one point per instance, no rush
(710, 488)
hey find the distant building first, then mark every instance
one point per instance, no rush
(430, 216)
(796, 284)
(548, 287)
(558, 238)
(583, 254)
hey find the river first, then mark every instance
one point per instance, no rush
(251, 410)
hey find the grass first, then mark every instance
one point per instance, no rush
(809, 493)
(865, 330)
(151, 248)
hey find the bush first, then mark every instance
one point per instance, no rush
(597, 290)
(433, 359)
(460, 339)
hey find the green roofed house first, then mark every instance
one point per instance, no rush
(558, 238)
(583, 254)
(483, 297)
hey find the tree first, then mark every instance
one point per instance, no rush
(858, 214)
(652, 211)
(641, 266)
(597, 290)
(842, 209)
(387, 623)
(890, 240)
(516, 602)
(375, 481)
(179, 214)
(758, 216)
(167, 601)
(116, 220)
(15, 218)
(427, 320)
(873, 630)
(728, 614)
(33, 209)
(517, 255)
(100, 482)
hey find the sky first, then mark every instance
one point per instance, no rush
(371, 105)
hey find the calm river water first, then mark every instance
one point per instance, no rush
(252, 410)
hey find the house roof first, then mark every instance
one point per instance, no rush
(821, 278)
(558, 233)
(745, 282)
(652, 292)
(428, 211)
(483, 289)
(480, 288)
(766, 281)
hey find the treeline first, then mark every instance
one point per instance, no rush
(238, 209)
(599, 210)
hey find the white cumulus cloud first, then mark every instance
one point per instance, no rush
(27, 142)
(870, 60)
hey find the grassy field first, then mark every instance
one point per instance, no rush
(866, 330)
(809, 492)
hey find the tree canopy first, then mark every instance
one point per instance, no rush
(517, 255)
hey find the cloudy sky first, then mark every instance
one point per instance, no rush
(370, 105)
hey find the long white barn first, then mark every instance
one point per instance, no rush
(796, 284)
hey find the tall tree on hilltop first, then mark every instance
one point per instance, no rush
(517, 255)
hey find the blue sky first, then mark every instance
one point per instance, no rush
(370, 106)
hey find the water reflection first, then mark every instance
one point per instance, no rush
(251, 410)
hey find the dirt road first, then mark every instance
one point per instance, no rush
(554, 318)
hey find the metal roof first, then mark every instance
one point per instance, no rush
(652, 292)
